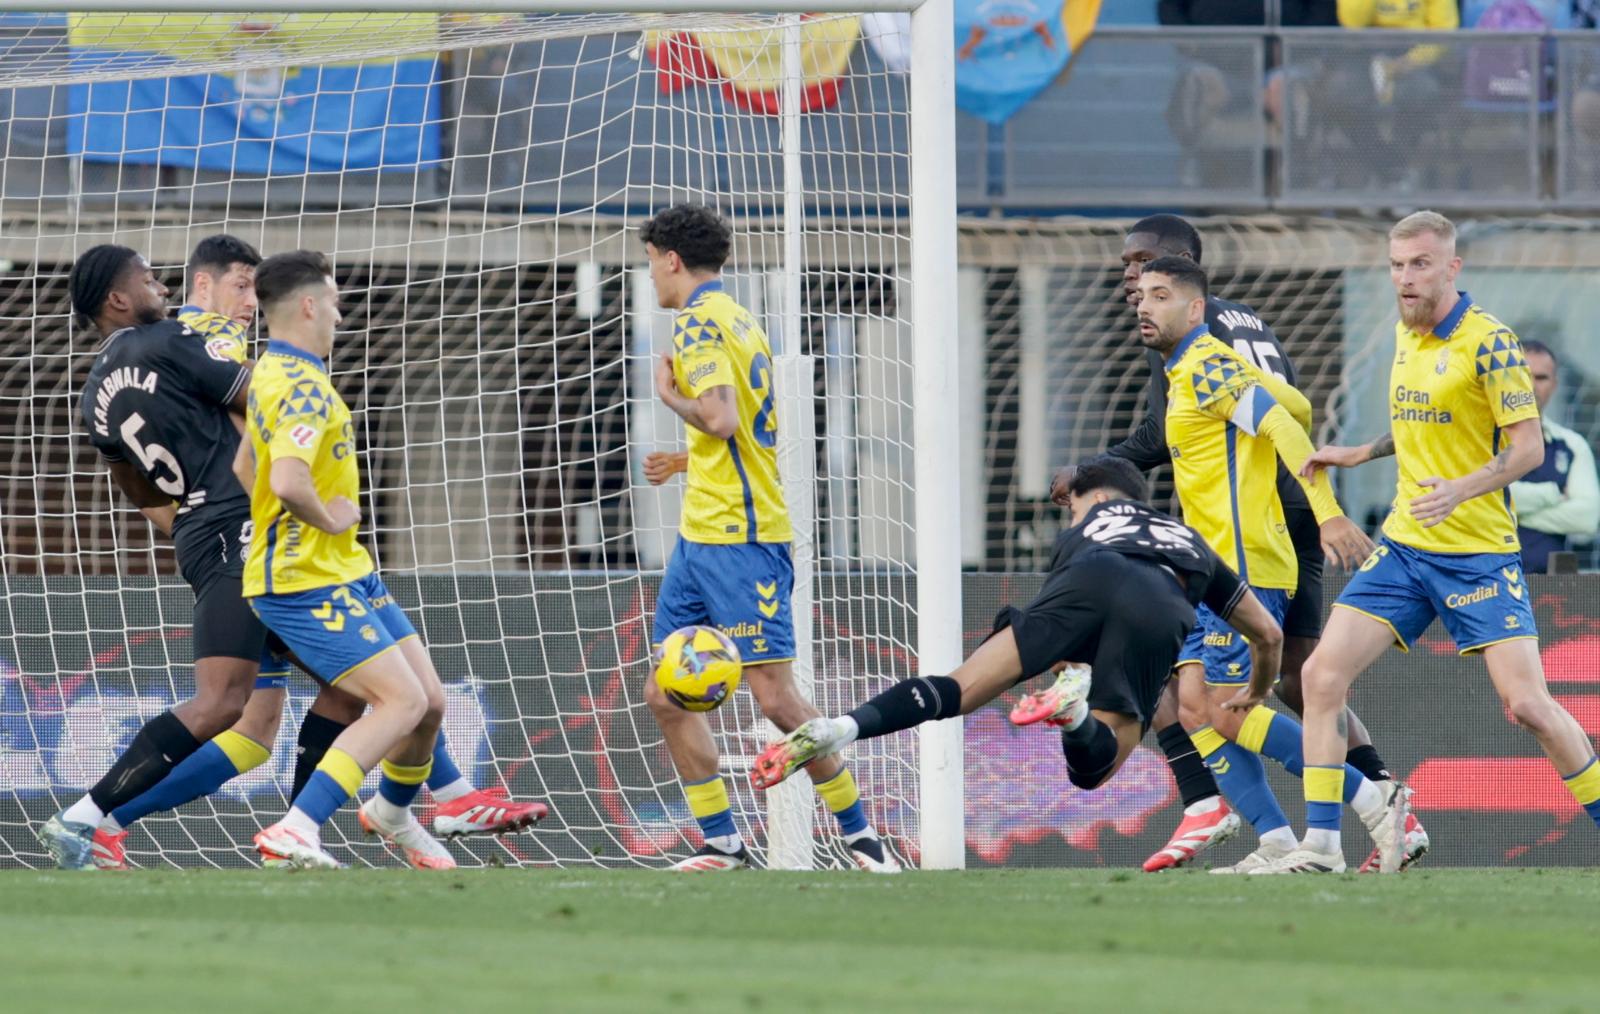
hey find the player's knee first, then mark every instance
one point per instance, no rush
(1322, 686)
(1088, 780)
(338, 706)
(1535, 711)
(1288, 691)
(1226, 721)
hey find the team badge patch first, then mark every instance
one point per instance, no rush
(302, 435)
(370, 634)
(1442, 366)
(220, 349)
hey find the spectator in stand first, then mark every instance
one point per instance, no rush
(1381, 98)
(1558, 503)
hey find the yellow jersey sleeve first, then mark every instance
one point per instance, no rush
(225, 338)
(303, 415)
(700, 358)
(1507, 381)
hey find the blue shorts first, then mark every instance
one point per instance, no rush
(1483, 598)
(1223, 651)
(333, 630)
(741, 589)
(274, 673)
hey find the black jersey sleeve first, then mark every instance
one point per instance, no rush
(1223, 589)
(110, 447)
(1147, 446)
(214, 376)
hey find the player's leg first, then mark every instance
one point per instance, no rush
(331, 630)
(1207, 817)
(331, 713)
(1518, 677)
(227, 648)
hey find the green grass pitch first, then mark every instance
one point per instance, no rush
(542, 940)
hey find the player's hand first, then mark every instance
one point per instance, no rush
(1061, 487)
(1432, 508)
(1344, 543)
(344, 514)
(1246, 698)
(659, 466)
(666, 380)
(1332, 456)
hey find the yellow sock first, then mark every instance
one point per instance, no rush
(245, 753)
(708, 801)
(414, 774)
(1207, 741)
(342, 768)
(1253, 733)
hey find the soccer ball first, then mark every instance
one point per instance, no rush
(699, 668)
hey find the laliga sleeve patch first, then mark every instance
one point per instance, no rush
(222, 350)
(303, 435)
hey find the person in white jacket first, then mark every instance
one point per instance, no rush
(1558, 503)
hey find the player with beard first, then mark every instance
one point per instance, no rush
(1207, 818)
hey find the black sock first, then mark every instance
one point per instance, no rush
(159, 747)
(907, 704)
(1195, 781)
(1091, 750)
(1365, 759)
(316, 735)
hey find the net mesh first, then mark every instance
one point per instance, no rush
(496, 352)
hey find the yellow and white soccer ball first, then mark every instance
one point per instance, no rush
(699, 668)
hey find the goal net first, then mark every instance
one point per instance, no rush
(478, 182)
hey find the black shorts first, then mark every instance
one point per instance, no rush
(1304, 618)
(224, 623)
(1126, 618)
(212, 546)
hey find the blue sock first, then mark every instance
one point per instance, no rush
(1285, 743)
(321, 797)
(196, 776)
(444, 770)
(1243, 779)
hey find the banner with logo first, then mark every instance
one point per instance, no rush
(1008, 51)
(272, 119)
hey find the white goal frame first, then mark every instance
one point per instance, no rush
(936, 394)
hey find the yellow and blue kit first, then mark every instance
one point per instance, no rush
(316, 591)
(1452, 391)
(1227, 425)
(731, 567)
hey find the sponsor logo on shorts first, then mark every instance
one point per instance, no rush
(744, 629)
(1472, 598)
(1512, 623)
(382, 600)
(1217, 639)
(1235, 668)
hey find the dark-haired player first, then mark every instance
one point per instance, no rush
(1230, 425)
(731, 567)
(1207, 819)
(1121, 594)
(157, 407)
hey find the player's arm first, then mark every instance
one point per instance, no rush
(291, 483)
(1256, 410)
(1341, 456)
(244, 465)
(1147, 446)
(1524, 453)
(211, 370)
(713, 411)
(707, 401)
(1231, 599)
(155, 505)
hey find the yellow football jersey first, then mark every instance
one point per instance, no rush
(734, 493)
(1227, 475)
(294, 412)
(225, 338)
(1451, 391)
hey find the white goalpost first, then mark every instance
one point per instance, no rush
(497, 355)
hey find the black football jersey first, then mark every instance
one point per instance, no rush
(1140, 531)
(1256, 343)
(158, 397)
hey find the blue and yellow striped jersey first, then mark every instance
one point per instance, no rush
(294, 412)
(1225, 471)
(225, 338)
(1451, 391)
(734, 493)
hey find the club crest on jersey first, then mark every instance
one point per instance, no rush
(1442, 365)
(220, 349)
(302, 435)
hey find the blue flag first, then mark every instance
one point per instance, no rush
(278, 120)
(1007, 51)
